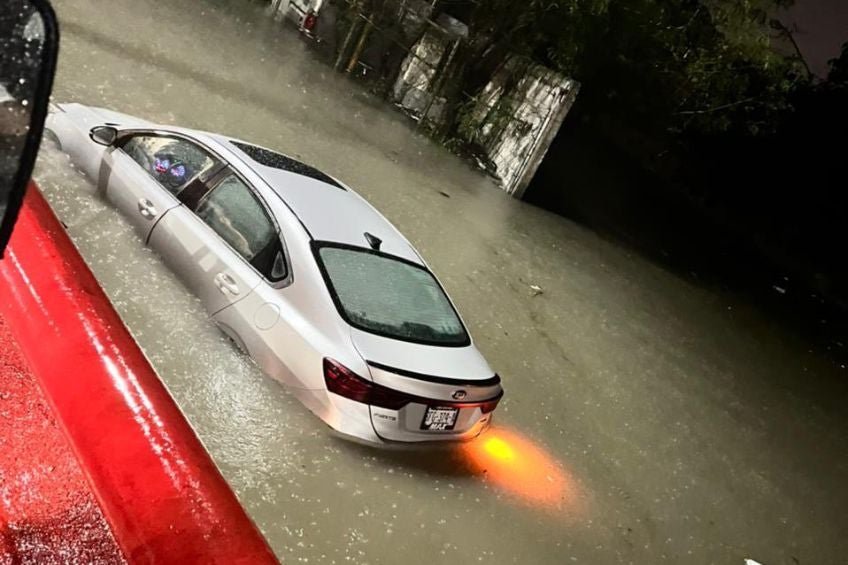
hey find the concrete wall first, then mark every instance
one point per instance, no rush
(413, 88)
(514, 120)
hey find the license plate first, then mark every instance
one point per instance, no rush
(439, 418)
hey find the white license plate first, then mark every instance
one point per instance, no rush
(439, 418)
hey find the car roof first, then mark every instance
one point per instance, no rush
(330, 211)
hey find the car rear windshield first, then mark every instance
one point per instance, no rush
(390, 297)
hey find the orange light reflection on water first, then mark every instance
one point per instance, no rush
(515, 464)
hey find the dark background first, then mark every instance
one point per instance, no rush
(766, 216)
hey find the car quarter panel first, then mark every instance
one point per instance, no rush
(290, 330)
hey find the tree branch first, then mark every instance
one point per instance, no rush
(715, 108)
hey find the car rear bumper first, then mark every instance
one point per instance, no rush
(405, 425)
(474, 400)
(399, 415)
(354, 421)
(443, 441)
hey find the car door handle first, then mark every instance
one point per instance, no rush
(226, 284)
(146, 208)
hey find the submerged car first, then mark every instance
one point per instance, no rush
(300, 271)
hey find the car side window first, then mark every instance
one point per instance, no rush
(171, 161)
(237, 215)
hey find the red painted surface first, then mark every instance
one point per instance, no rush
(161, 494)
(48, 513)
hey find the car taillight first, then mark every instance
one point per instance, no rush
(309, 21)
(490, 405)
(345, 382)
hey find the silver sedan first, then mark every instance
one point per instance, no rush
(300, 271)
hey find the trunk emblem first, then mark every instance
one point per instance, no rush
(459, 395)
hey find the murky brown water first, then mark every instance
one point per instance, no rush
(646, 420)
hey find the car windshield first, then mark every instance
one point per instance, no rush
(390, 297)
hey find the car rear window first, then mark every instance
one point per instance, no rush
(390, 297)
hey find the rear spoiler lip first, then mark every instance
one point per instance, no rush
(492, 381)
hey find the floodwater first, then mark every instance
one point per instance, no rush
(646, 420)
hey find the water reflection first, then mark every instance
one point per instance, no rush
(522, 468)
(502, 458)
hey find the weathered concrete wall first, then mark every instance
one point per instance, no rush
(413, 88)
(516, 118)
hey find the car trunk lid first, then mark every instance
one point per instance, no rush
(444, 365)
(434, 377)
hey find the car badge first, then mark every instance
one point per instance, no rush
(459, 395)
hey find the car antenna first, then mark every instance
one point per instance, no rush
(373, 241)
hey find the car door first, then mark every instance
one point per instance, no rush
(223, 245)
(147, 171)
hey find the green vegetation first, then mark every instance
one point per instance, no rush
(660, 65)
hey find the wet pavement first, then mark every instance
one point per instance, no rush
(646, 420)
(48, 512)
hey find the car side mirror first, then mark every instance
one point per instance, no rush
(29, 41)
(103, 135)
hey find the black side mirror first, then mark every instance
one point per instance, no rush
(29, 41)
(103, 135)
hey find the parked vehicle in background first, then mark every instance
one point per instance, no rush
(304, 13)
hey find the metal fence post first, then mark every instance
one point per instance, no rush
(360, 46)
(345, 44)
